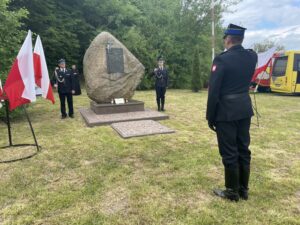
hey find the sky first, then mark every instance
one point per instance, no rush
(277, 20)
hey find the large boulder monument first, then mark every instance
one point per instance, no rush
(112, 74)
(110, 70)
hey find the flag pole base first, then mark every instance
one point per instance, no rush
(23, 157)
(11, 145)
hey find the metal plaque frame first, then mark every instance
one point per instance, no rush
(115, 60)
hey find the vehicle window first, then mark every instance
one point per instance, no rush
(297, 62)
(280, 65)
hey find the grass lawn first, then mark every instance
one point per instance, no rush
(92, 176)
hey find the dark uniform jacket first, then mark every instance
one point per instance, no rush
(76, 80)
(228, 93)
(64, 80)
(161, 77)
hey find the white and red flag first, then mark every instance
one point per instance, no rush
(263, 61)
(41, 71)
(1, 89)
(20, 86)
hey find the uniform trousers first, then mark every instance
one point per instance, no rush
(234, 140)
(62, 98)
(160, 94)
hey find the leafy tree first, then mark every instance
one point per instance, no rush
(266, 45)
(61, 27)
(171, 28)
(11, 35)
(196, 72)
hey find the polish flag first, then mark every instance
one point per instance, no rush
(20, 86)
(263, 61)
(41, 71)
(1, 89)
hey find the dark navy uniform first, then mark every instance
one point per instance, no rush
(229, 111)
(76, 80)
(229, 83)
(65, 86)
(161, 84)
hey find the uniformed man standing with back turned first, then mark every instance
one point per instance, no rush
(63, 81)
(229, 111)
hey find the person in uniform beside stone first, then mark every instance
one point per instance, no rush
(229, 111)
(64, 83)
(161, 84)
(76, 80)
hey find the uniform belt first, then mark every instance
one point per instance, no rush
(234, 96)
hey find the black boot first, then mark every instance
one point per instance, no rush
(231, 184)
(158, 104)
(244, 180)
(163, 104)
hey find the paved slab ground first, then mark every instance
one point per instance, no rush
(140, 128)
(93, 119)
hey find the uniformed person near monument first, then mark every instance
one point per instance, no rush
(161, 84)
(64, 83)
(76, 80)
(229, 111)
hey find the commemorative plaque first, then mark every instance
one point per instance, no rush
(115, 60)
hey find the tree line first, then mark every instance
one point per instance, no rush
(178, 30)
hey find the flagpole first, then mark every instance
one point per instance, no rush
(11, 145)
(31, 128)
(8, 124)
(24, 74)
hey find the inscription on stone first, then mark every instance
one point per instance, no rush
(115, 60)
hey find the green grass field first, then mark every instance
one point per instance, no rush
(92, 176)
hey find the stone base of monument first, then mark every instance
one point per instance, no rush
(140, 128)
(93, 119)
(131, 106)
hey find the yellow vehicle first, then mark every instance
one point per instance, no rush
(285, 72)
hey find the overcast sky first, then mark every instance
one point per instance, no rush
(277, 20)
